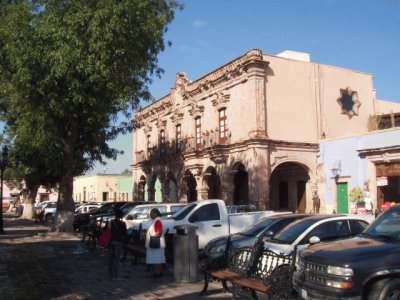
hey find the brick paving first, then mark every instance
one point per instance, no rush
(37, 264)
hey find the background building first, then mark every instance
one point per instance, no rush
(103, 187)
(250, 131)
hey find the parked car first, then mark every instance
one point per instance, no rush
(106, 210)
(266, 229)
(364, 267)
(316, 229)
(86, 207)
(40, 214)
(141, 213)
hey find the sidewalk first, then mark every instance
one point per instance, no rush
(37, 264)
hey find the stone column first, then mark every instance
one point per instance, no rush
(227, 194)
(202, 193)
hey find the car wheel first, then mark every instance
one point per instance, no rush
(385, 289)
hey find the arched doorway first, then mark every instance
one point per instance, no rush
(191, 186)
(142, 189)
(240, 185)
(213, 183)
(288, 187)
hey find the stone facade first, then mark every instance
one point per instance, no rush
(249, 132)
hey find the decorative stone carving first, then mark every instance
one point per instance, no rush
(147, 128)
(177, 116)
(196, 110)
(220, 100)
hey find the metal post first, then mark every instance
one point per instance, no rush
(3, 163)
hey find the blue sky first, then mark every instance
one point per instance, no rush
(362, 35)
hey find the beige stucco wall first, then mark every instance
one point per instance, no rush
(302, 100)
(386, 107)
(92, 187)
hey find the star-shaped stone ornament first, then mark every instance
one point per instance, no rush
(349, 102)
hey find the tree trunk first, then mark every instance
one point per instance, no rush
(29, 201)
(63, 221)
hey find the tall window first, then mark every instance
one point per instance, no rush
(148, 145)
(178, 137)
(222, 126)
(162, 142)
(198, 132)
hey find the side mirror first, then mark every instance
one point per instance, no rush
(314, 240)
(268, 233)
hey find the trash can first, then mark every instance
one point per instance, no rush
(186, 254)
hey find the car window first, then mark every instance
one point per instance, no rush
(176, 208)
(329, 231)
(291, 232)
(185, 211)
(358, 226)
(207, 212)
(275, 228)
(256, 228)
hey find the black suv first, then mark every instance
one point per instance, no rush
(363, 267)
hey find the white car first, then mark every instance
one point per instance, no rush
(84, 208)
(317, 228)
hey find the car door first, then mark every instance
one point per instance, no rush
(209, 224)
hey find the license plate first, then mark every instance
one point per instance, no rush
(303, 294)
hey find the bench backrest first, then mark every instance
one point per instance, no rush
(276, 270)
(244, 260)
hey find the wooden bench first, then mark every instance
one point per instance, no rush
(254, 269)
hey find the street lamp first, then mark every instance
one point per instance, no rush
(3, 164)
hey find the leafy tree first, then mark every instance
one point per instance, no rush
(67, 69)
(356, 194)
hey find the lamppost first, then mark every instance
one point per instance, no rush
(3, 164)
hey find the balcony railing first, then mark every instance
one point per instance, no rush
(169, 151)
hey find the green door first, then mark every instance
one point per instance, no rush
(342, 198)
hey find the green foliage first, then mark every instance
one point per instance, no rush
(68, 70)
(356, 194)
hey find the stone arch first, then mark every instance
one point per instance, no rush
(191, 186)
(290, 186)
(141, 188)
(171, 188)
(212, 182)
(240, 183)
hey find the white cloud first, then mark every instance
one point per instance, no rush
(198, 24)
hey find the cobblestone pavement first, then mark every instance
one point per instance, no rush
(37, 264)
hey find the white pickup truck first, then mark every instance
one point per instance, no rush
(211, 219)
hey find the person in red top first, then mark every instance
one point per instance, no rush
(155, 256)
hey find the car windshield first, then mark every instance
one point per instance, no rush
(386, 226)
(293, 231)
(180, 215)
(126, 208)
(256, 228)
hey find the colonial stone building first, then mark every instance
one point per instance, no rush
(249, 132)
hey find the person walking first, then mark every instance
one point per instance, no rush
(119, 237)
(155, 244)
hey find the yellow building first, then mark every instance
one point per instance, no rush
(102, 187)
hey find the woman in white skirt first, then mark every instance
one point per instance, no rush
(155, 254)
